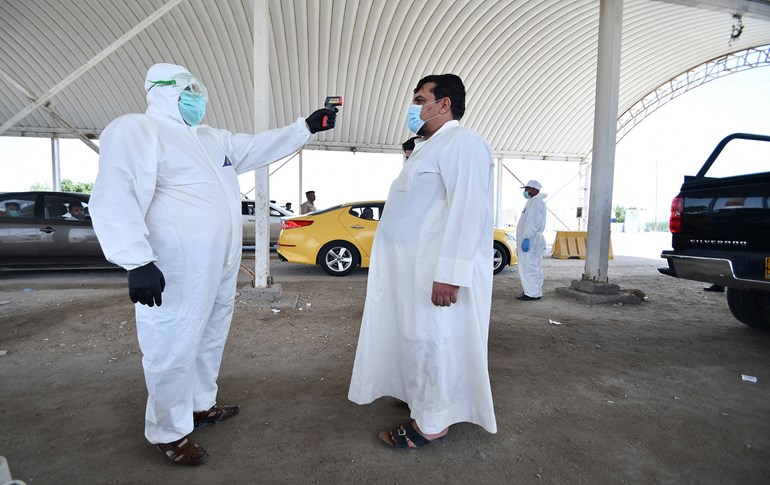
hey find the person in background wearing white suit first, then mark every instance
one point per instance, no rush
(531, 243)
(166, 207)
(425, 327)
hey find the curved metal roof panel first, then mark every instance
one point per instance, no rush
(529, 67)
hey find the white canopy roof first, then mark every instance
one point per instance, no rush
(529, 67)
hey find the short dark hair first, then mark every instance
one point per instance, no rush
(310, 192)
(409, 144)
(447, 86)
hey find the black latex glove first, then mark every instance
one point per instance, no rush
(315, 122)
(145, 284)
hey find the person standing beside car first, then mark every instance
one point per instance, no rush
(308, 206)
(531, 243)
(166, 207)
(425, 326)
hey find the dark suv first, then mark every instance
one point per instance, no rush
(49, 230)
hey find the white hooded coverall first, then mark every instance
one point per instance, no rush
(437, 226)
(168, 193)
(531, 226)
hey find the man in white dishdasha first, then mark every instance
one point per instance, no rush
(425, 325)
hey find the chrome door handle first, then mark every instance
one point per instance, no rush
(47, 230)
(356, 227)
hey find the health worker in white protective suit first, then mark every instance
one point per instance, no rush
(425, 327)
(166, 207)
(531, 243)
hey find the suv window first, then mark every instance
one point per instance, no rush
(18, 206)
(247, 208)
(727, 203)
(67, 208)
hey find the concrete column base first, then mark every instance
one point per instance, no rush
(594, 293)
(594, 287)
(269, 297)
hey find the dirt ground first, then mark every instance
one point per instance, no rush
(648, 393)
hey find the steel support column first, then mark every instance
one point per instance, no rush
(301, 195)
(499, 191)
(605, 129)
(56, 163)
(584, 175)
(261, 123)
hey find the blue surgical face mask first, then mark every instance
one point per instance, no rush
(527, 195)
(192, 107)
(14, 213)
(413, 120)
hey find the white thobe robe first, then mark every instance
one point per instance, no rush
(168, 193)
(437, 226)
(531, 226)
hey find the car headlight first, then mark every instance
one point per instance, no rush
(510, 237)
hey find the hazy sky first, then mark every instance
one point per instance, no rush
(650, 161)
(678, 138)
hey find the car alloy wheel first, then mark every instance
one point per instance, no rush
(499, 258)
(338, 258)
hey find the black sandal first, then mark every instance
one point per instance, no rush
(216, 414)
(183, 452)
(405, 433)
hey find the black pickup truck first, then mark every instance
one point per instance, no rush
(720, 228)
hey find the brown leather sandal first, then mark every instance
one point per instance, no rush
(183, 451)
(217, 413)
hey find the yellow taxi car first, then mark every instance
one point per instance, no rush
(340, 238)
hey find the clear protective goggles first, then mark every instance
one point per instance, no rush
(184, 82)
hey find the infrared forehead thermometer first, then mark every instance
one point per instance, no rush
(331, 102)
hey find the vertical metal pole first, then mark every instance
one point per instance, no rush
(261, 123)
(655, 229)
(583, 186)
(56, 163)
(605, 132)
(301, 198)
(499, 189)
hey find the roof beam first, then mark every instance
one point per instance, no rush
(752, 58)
(45, 97)
(751, 8)
(51, 110)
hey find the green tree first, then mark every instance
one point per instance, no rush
(620, 213)
(70, 186)
(67, 185)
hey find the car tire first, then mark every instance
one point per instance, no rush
(750, 307)
(500, 258)
(338, 258)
